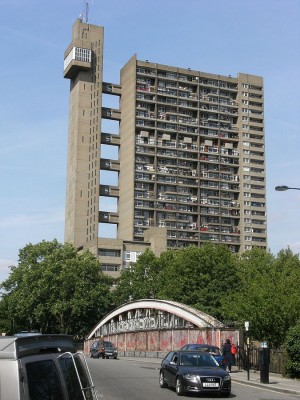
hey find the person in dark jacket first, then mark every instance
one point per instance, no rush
(227, 354)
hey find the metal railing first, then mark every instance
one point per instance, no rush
(278, 359)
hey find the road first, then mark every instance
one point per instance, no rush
(129, 379)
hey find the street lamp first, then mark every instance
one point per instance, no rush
(283, 188)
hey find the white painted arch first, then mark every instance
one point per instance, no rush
(191, 315)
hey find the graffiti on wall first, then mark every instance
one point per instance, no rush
(140, 320)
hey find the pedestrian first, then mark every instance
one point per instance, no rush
(234, 350)
(227, 354)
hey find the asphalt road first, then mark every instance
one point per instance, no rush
(129, 379)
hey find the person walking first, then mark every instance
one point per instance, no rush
(227, 354)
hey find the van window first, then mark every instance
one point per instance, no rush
(43, 381)
(71, 379)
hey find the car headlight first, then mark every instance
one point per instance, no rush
(192, 378)
(227, 378)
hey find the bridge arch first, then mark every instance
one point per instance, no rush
(133, 315)
(158, 326)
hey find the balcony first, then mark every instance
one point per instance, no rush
(108, 217)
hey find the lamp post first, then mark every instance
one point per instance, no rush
(283, 188)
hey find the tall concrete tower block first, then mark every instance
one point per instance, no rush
(83, 65)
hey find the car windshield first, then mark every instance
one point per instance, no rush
(197, 360)
(215, 351)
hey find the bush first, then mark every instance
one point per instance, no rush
(292, 344)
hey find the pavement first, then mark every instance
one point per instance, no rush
(277, 382)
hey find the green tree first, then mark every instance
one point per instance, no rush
(139, 281)
(54, 289)
(199, 277)
(268, 294)
(292, 345)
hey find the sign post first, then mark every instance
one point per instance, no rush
(248, 348)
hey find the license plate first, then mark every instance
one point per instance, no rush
(109, 354)
(210, 384)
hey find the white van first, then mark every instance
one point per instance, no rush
(47, 367)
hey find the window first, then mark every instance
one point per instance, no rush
(109, 253)
(83, 54)
(132, 256)
(71, 379)
(109, 267)
(79, 54)
(43, 381)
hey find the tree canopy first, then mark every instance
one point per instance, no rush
(198, 277)
(54, 289)
(256, 286)
(267, 295)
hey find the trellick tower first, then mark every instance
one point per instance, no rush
(191, 157)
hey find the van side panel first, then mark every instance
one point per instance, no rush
(9, 380)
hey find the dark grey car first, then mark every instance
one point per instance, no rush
(194, 372)
(103, 349)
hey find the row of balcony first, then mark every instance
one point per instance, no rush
(180, 180)
(206, 209)
(145, 72)
(185, 90)
(181, 124)
(212, 201)
(182, 110)
(207, 104)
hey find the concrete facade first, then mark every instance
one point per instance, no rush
(191, 158)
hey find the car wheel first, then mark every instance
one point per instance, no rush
(179, 387)
(115, 357)
(162, 382)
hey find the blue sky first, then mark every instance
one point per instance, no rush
(259, 37)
